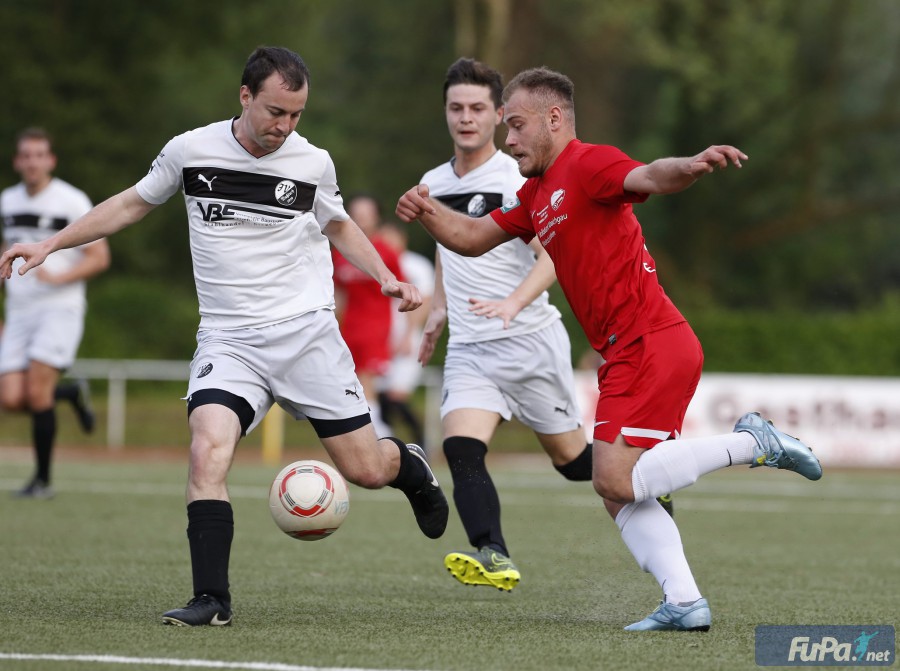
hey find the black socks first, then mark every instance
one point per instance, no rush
(412, 472)
(474, 492)
(210, 531)
(43, 433)
(580, 467)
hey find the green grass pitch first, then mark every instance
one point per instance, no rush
(89, 573)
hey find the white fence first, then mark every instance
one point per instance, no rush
(849, 421)
(117, 372)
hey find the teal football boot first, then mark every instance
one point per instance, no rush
(670, 617)
(776, 449)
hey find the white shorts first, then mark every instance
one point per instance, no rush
(529, 376)
(48, 335)
(302, 364)
(404, 374)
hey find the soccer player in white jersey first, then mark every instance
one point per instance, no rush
(45, 310)
(508, 352)
(263, 205)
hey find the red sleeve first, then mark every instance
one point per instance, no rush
(603, 172)
(338, 261)
(390, 257)
(515, 219)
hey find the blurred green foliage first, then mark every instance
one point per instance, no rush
(804, 236)
(862, 342)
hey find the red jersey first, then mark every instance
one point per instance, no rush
(366, 319)
(582, 215)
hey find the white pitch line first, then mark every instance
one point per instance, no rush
(188, 663)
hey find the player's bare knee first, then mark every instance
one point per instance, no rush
(202, 445)
(366, 478)
(37, 402)
(613, 487)
(12, 403)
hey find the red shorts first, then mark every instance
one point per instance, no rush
(646, 387)
(370, 355)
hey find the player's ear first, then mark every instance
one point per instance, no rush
(245, 96)
(555, 117)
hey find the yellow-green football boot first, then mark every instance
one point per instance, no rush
(487, 567)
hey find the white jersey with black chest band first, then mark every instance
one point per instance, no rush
(497, 273)
(256, 224)
(35, 218)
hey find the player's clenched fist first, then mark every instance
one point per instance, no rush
(415, 203)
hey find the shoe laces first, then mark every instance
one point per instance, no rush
(786, 462)
(203, 598)
(780, 456)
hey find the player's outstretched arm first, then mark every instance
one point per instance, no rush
(541, 276)
(456, 231)
(353, 244)
(671, 175)
(95, 259)
(110, 216)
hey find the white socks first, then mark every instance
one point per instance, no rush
(648, 531)
(655, 543)
(674, 464)
(382, 430)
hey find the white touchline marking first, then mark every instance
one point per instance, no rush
(166, 661)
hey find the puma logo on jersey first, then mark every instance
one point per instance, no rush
(351, 392)
(649, 268)
(208, 182)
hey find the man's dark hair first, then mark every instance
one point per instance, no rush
(549, 86)
(34, 133)
(266, 60)
(470, 71)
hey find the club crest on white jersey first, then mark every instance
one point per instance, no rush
(286, 192)
(477, 205)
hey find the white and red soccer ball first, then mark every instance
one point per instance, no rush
(309, 500)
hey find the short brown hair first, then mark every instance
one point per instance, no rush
(551, 87)
(266, 60)
(470, 71)
(34, 133)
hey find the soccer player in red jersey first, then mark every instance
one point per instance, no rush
(578, 202)
(364, 312)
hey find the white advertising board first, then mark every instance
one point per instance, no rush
(848, 421)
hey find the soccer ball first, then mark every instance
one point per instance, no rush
(309, 500)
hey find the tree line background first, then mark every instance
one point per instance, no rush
(791, 264)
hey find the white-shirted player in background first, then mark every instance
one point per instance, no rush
(508, 352)
(263, 205)
(45, 310)
(404, 374)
